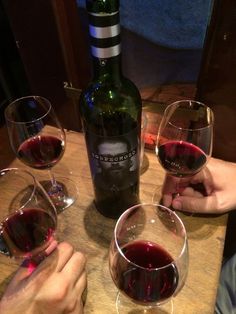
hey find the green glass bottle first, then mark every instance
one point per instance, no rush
(110, 109)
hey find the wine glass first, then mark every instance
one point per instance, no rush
(148, 258)
(28, 218)
(38, 140)
(184, 144)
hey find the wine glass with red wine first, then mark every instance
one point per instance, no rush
(148, 258)
(184, 142)
(28, 218)
(38, 140)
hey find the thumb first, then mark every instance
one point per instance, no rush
(206, 204)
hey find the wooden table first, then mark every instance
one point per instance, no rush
(88, 231)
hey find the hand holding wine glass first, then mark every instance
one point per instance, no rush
(148, 258)
(184, 143)
(28, 217)
(51, 288)
(38, 140)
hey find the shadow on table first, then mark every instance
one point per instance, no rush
(202, 228)
(99, 228)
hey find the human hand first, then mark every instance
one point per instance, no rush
(218, 196)
(55, 286)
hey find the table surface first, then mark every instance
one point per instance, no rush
(90, 232)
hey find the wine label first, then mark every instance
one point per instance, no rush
(114, 160)
(104, 30)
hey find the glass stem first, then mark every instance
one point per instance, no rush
(56, 188)
(52, 178)
(181, 185)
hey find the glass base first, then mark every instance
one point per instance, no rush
(63, 195)
(124, 305)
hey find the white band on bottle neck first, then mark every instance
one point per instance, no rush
(104, 53)
(104, 32)
(103, 13)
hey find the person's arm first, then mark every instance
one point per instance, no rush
(219, 181)
(55, 286)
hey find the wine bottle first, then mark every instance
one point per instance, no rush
(217, 77)
(110, 109)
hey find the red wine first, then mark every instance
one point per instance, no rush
(25, 231)
(145, 284)
(41, 151)
(181, 159)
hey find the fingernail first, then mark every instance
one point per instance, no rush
(177, 205)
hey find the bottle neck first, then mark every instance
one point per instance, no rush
(109, 68)
(104, 30)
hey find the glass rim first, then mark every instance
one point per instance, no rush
(6, 113)
(15, 169)
(208, 109)
(130, 209)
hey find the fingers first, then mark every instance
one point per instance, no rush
(75, 267)
(79, 308)
(51, 248)
(81, 287)
(73, 280)
(195, 204)
(169, 185)
(167, 200)
(61, 254)
(55, 262)
(36, 260)
(56, 285)
(191, 192)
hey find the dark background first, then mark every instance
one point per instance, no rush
(44, 45)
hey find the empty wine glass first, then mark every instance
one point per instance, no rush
(28, 218)
(38, 140)
(148, 258)
(184, 143)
